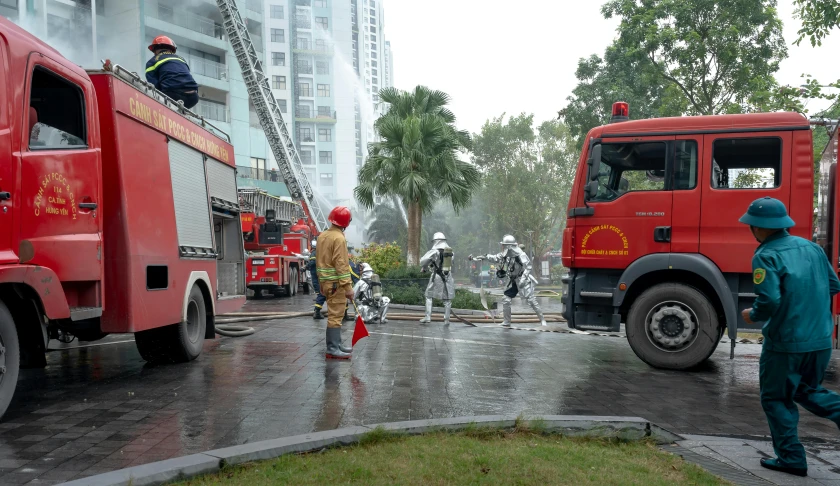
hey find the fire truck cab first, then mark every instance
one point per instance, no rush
(653, 238)
(118, 212)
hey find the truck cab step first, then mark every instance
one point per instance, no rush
(82, 313)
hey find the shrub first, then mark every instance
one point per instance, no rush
(381, 257)
(405, 272)
(464, 299)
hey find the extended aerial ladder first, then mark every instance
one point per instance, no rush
(268, 112)
(258, 202)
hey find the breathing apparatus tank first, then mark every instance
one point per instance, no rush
(375, 287)
(446, 260)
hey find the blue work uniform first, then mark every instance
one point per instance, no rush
(313, 275)
(794, 284)
(170, 74)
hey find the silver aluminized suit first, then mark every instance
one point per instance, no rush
(371, 310)
(517, 266)
(440, 286)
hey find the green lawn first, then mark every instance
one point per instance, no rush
(478, 457)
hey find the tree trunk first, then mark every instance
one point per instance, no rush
(414, 224)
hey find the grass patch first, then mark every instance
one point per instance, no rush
(474, 456)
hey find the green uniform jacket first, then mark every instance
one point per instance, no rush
(794, 283)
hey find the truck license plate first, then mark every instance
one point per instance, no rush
(257, 262)
(267, 280)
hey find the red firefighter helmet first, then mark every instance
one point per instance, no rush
(161, 42)
(340, 216)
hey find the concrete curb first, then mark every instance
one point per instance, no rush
(627, 428)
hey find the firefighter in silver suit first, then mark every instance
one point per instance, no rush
(441, 286)
(367, 293)
(514, 264)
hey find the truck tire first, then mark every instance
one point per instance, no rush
(306, 289)
(9, 358)
(672, 326)
(180, 342)
(295, 281)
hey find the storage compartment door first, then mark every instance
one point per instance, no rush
(189, 191)
(221, 179)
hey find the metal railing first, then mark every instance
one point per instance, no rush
(206, 67)
(188, 20)
(304, 67)
(305, 137)
(305, 92)
(303, 44)
(212, 111)
(303, 112)
(259, 174)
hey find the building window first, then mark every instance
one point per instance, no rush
(373, 37)
(322, 67)
(372, 12)
(304, 89)
(373, 55)
(326, 179)
(325, 135)
(375, 80)
(304, 66)
(302, 43)
(323, 22)
(373, 63)
(374, 72)
(372, 21)
(283, 106)
(747, 163)
(320, 45)
(324, 90)
(324, 111)
(373, 46)
(278, 58)
(305, 135)
(277, 11)
(303, 111)
(372, 29)
(278, 35)
(325, 157)
(321, 3)
(306, 157)
(279, 82)
(373, 3)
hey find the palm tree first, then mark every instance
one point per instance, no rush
(388, 225)
(416, 160)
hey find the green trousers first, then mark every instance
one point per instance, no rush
(787, 379)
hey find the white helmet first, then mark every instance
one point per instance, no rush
(508, 241)
(439, 236)
(314, 243)
(366, 271)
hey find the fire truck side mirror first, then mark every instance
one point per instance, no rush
(594, 162)
(591, 190)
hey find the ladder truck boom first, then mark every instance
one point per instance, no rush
(268, 112)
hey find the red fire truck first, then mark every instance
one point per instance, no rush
(118, 212)
(275, 261)
(653, 238)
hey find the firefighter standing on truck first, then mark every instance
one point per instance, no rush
(334, 275)
(169, 72)
(794, 284)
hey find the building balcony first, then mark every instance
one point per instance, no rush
(305, 117)
(267, 180)
(305, 139)
(206, 67)
(303, 68)
(312, 50)
(187, 20)
(212, 111)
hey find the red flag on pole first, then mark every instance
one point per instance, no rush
(360, 331)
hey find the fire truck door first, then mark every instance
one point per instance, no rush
(741, 167)
(632, 209)
(685, 232)
(8, 166)
(60, 179)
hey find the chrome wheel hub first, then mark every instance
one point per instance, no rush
(671, 326)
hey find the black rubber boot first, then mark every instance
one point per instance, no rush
(317, 315)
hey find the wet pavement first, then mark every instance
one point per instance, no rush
(101, 407)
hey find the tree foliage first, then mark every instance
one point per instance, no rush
(416, 159)
(684, 57)
(528, 177)
(818, 18)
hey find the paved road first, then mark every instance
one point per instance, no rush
(99, 408)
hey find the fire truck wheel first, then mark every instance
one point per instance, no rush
(9, 358)
(672, 326)
(190, 333)
(293, 284)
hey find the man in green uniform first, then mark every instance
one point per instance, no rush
(794, 284)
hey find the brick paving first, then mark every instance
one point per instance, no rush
(99, 408)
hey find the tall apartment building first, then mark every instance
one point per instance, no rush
(124, 28)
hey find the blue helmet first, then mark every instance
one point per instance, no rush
(768, 213)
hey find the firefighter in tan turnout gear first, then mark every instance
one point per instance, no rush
(333, 268)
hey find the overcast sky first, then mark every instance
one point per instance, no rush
(495, 57)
